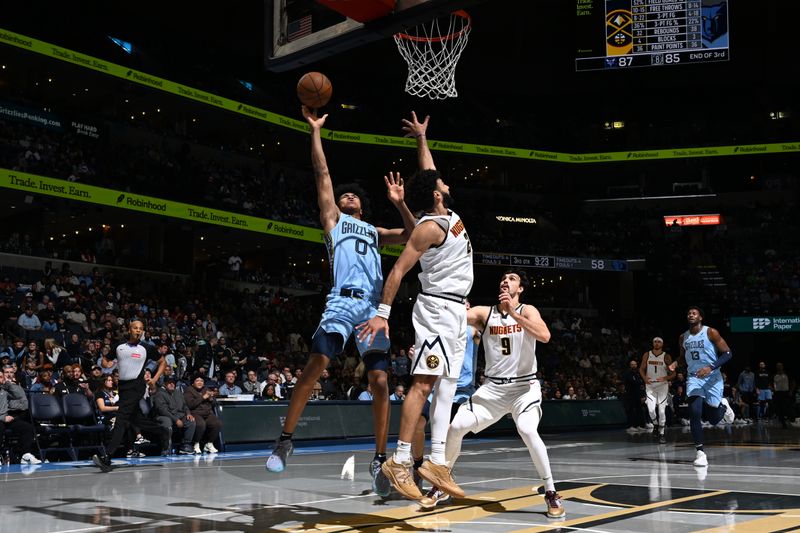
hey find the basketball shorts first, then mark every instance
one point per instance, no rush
(764, 395)
(491, 402)
(343, 313)
(440, 329)
(710, 388)
(657, 395)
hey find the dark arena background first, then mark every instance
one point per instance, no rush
(632, 157)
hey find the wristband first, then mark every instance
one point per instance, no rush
(384, 310)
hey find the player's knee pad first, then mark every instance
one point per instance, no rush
(376, 361)
(328, 344)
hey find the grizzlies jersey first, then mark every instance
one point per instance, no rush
(467, 377)
(656, 369)
(447, 268)
(355, 260)
(700, 351)
(510, 352)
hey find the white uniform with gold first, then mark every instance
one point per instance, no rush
(510, 387)
(440, 314)
(657, 392)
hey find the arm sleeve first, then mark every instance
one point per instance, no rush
(722, 358)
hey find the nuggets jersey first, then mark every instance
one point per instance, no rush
(700, 351)
(656, 369)
(510, 352)
(354, 257)
(447, 268)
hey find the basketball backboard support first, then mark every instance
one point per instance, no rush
(300, 32)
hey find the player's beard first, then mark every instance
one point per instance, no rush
(352, 211)
(447, 200)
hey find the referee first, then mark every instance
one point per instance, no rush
(131, 357)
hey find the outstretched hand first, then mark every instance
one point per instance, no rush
(311, 117)
(415, 128)
(394, 188)
(370, 329)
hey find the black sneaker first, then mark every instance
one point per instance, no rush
(380, 483)
(277, 461)
(103, 463)
(662, 439)
(186, 449)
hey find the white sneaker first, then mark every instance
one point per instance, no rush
(196, 448)
(729, 416)
(30, 459)
(701, 459)
(648, 426)
(684, 421)
(702, 472)
(209, 448)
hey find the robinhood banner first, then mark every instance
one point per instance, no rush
(765, 324)
(33, 183)
(257, 113)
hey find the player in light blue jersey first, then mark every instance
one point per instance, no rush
(357, 282)
(704, 351)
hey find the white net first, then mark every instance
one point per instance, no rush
(432, 56)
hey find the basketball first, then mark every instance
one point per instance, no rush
(314, 89)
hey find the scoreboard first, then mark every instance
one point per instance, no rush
(614, 34)
(549, 261)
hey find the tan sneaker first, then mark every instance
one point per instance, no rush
(434, 497)
(440, 476)
(401, 478)
(555, 508)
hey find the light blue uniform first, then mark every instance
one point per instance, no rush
(701, 352)
(355, 267)
(466, 380)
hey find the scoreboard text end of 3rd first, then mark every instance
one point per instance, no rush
(615, 34)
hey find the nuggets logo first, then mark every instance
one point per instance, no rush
(432, 361)
(619, 39)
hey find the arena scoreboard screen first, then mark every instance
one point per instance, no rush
(614, 34)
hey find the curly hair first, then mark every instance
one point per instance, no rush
(356, 189)
(420, 188)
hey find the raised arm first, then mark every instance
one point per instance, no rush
(396, 194)
(531, 321)
(423, 237)
(477, 317)
(328, 211)
(415, 128)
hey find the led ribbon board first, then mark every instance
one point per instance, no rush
(257, 113)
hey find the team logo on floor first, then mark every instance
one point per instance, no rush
(432, 361)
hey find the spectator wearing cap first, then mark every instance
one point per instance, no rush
(95, 377)
(200, 400)
(17, 351)
(172, 412)
(28, 321)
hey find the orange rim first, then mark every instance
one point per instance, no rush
(460, 13)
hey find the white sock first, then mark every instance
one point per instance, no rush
(548, 484)
(403, 453)
(437, 453)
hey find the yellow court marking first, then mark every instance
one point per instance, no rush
(621, 514)
(783, 522)
(474, 507)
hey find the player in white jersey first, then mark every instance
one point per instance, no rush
(441, 244)
(656, 375)
(510, 332)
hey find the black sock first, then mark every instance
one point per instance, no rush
(418, 462)
(380, 457)
(285, 436)
(699, 447)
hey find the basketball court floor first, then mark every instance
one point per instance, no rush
(610, 482)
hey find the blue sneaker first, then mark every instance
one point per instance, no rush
(380, 483)
(277, 461)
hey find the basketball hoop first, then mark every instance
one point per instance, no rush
(432, 56)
